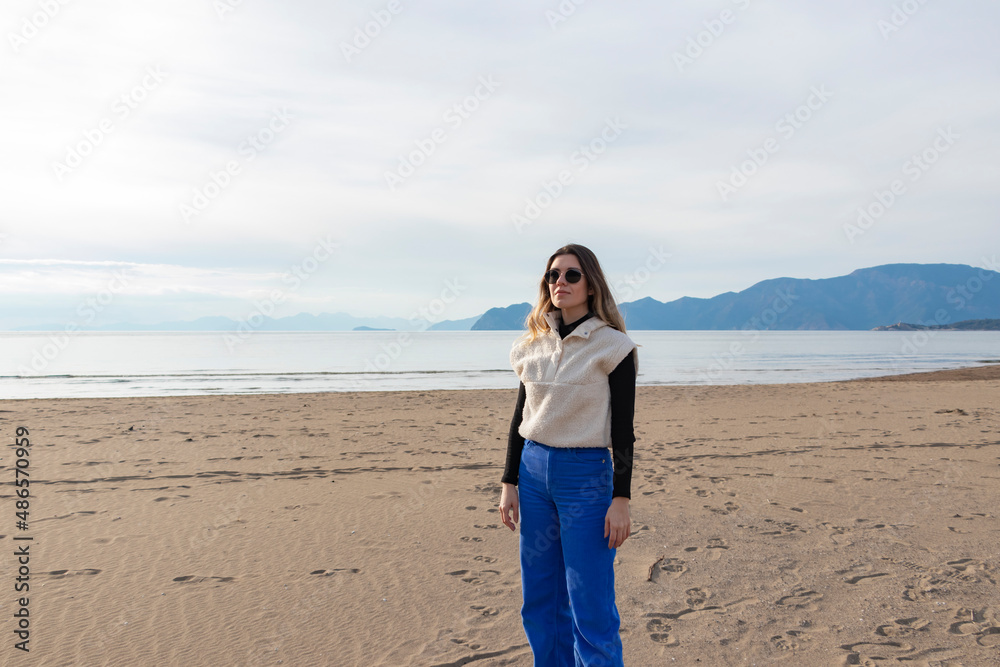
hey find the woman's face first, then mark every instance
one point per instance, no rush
(567, 296)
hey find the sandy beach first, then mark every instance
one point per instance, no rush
(843, 523)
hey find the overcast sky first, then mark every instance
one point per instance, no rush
(179, 159)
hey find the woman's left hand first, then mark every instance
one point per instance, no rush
(617, 522)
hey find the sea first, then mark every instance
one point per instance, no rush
(109, 364)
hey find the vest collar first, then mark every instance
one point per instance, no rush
(583, 330)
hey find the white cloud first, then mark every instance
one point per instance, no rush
(77, 277)
(224, 77)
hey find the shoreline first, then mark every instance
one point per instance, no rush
(989, 371)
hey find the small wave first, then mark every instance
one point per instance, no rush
(126, 377)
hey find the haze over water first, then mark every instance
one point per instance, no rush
(180, 363)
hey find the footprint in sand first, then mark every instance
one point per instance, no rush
(974, 622)
(726, 509)
(67, 573)
(906, 565)
(793, 639)
(716, 545)
(642, 531)
(836, 532)
(659, 630)
(475, 578)
(903, 627)
(801, 598)
(468, 643)
(481, 616)
(783, 528)
(675, 567)
(784, 643)
(877, 651)
(483, 610)
(330, 573)
(672, 566)
(696, 597)
(990, 637)
(924, 588)
(862, 577)
(66, 516)
(490, 488)
(968, 569)
(713, 480)
(471, 539)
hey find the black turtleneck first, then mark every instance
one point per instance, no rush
(621, 382)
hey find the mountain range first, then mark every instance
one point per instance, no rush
(928, 294)
(922, 294)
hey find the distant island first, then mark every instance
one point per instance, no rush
(964, 325)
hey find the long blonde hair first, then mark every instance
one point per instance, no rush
(601, 302)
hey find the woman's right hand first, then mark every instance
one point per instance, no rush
(508, 505)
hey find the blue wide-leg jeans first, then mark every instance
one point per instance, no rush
(567, 569)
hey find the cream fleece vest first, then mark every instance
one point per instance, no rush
(567, 398)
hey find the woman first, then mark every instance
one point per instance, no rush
(577, 369)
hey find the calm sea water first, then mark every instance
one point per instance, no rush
(49, 365)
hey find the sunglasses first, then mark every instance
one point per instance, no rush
(572, 276)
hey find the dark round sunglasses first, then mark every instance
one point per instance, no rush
(572, 276)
